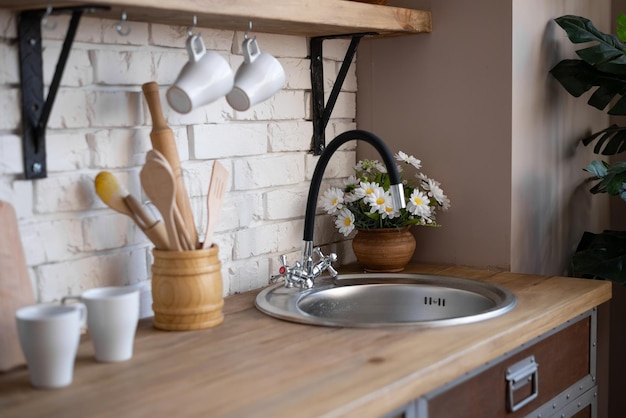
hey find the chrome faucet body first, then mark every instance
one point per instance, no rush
(304, 272)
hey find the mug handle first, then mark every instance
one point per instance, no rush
(80, 306)
(250, 50)
(82, 314)
(65, 299)
(195, 47)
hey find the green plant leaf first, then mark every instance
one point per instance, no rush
(372, 215)
(619, 108)
(577, 77)
(610, 141)
(597, 168)
(607, 54)
(615, 178)
(615, 187)
(603, 65)
(621, 27)
(617, 168)
(612, 177)
(601, 256)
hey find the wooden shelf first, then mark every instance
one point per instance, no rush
(290, 17)
(318, 19)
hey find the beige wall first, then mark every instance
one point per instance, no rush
(445, 97)
(551, 208)
(475, 102)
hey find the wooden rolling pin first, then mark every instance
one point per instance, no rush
(163, 141)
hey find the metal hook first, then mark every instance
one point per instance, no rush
(45, 22)
(245, 35)
(191, 28)
(120, 26)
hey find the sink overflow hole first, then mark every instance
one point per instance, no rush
(434, 301)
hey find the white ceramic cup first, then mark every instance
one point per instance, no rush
(49, 336)
(258, 78)
(112, 315)
(206, 77)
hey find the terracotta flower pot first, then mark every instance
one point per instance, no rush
(384, 249)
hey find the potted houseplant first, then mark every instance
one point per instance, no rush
(383, 241)
(602, 67)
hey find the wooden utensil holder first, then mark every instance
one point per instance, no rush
(187, 289)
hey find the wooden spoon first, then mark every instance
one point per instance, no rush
(117, 198)
(111, 193)
(160, 186)
(215, 198)
(185, 239)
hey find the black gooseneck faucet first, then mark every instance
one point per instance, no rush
(303, 273)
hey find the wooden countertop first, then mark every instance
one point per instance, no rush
(256, 366)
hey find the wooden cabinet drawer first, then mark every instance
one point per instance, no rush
(565, 361)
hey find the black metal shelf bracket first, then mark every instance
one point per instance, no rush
(322, 111)
(36, 111)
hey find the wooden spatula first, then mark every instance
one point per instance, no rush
(186, 240)
(159, 185)
(15, 288)
(215, 199)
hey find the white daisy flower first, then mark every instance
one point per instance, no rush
(379, 200)
(423, 179)
(332, 200)
(436, 193)
(409, 159)
(350, 181)
(368, 166)
(402, 156)
(418, 205)
(445, 203)
(365, 188)
(345, 222)
(351, 197)
(390, 212)
(432, 185)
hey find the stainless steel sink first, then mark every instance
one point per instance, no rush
(388, 299)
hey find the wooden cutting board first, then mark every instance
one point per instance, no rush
(15, 288)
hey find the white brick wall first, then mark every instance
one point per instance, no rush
(100, 121)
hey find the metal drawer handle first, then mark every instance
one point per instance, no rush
(519, 375)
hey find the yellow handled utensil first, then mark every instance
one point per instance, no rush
(117, 198)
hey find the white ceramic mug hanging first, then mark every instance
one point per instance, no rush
(206, 77)
(258, 78)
